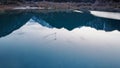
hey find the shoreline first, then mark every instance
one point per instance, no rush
(60, 6)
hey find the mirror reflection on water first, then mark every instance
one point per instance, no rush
(58, 40)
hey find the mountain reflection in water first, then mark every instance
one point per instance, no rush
(58, 40)
(68, 20)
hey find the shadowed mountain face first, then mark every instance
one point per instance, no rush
(12, 21)
(71, 20)
(9, 22)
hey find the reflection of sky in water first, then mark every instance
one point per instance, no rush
(35, 46)
(109, 15)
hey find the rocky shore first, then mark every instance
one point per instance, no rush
(114, 7)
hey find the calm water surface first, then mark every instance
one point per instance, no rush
(58, 40)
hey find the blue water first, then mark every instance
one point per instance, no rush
(58, 40)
